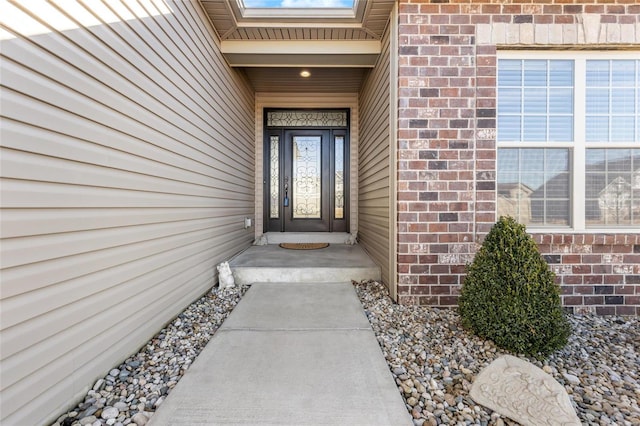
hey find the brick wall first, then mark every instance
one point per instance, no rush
(447, 150)
(597, 272)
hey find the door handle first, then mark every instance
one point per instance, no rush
(286, 191)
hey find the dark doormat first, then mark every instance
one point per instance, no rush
(304, 246)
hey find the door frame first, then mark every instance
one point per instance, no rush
(282, 224)
(301, 100)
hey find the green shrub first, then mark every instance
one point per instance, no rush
(509, 294)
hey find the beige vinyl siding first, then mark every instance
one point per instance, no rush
(127, 165)
(375, 157)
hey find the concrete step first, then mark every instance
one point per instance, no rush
(306, 237)
(271, 263)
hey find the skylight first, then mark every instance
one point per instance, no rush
(298, 4)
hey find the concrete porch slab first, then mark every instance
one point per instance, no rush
(271, 263)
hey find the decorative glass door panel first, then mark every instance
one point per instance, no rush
(274, 170)
(307, 177)
(306, 171)
(339, 177)
(306, 165)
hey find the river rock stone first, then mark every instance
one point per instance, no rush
(87, 420)
(140, 419)
(574, 380)
(523, 392)
(110, 413)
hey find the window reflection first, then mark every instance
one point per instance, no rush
(612, 187)
(533, 185)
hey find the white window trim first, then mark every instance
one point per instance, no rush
(579, 146)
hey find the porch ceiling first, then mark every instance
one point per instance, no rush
(337, 45)
(322, 80)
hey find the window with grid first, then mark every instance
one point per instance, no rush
(569, 139)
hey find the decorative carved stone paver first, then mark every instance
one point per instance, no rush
(521, 391)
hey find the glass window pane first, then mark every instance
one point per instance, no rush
(507, 177)
(533, 181)
(508, 161)
(558, 186)
(509, 128)
(595, 157)
(339, 177)
(597, 73)
(535, 73)
(598, 101)
(558, 162)
(274, 178)
(561, 101)
(623, 129)
(623, 101)
(509, 73)
(623, 73)
(535, 100)
(535, 128)
(531, 159)
(612, 187)
(618, 160)
(561, 73)
(509, 101)
(538, 191)
(597, 129)
(556, 212)
(540, 109)
(304, 118)
(307, 169)
(613, 107)
(275, 5)
(561, 129)
(593, 182)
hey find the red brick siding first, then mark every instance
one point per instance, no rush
(597, 272)
(447, 156)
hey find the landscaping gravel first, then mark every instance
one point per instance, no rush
(131, 392)
(434, 361)
(431, 357)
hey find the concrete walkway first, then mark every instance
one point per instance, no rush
(289, 354)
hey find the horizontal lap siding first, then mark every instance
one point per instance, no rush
(127, 170)
(374, 217)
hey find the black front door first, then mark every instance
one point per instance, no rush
(306, 180)
(305, 186)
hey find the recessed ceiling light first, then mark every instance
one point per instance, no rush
(305, 74)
